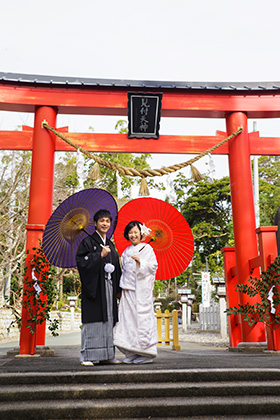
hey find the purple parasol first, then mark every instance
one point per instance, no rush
(72, 221)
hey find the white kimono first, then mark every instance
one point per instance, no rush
(136, 331)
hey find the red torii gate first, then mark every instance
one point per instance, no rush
(47, 96)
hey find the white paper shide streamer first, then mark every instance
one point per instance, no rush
(36, 285)
(119, 186)
(270, 298)
(212, 168)
(80, 167)
(170, 191)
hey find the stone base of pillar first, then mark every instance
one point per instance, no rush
(249, 347)
(41, 351)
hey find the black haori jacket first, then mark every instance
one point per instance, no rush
(92, 274)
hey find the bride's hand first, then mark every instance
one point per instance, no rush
(136, 258)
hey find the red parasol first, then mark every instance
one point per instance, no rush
(171, 236)
(72, 221)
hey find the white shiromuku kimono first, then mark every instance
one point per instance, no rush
(136, 331)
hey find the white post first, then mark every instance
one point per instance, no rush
(190, 302)
(221, 292)
(223, 317)
(72, 303)
(205, 288)
(184, 301)
(189, 314)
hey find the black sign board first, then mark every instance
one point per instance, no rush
(144, 115)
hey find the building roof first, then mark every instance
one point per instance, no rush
(35, 79)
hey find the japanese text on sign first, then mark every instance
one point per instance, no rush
(144, 115)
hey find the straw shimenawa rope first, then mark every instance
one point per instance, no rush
(143, 173)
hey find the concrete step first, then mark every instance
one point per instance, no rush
(215, 417)
(140, 376)
(141, 407)
(141, 390)
(154, 394)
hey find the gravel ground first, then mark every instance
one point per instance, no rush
(195, 335)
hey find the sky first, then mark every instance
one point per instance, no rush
(178, 40)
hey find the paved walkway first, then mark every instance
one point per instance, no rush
(198, 351)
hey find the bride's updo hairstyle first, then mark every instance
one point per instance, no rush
(130, 226)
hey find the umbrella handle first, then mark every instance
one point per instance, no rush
(85, 231)
(80, 227)
(153, 238)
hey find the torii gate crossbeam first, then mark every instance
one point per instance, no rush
(120, 143)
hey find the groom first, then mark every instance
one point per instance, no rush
(99, 269)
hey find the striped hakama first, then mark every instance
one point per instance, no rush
(97, 337)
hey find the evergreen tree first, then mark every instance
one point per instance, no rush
(207, 208)
(269, 188)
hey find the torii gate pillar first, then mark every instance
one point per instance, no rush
(243, 211)
(40, 209)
